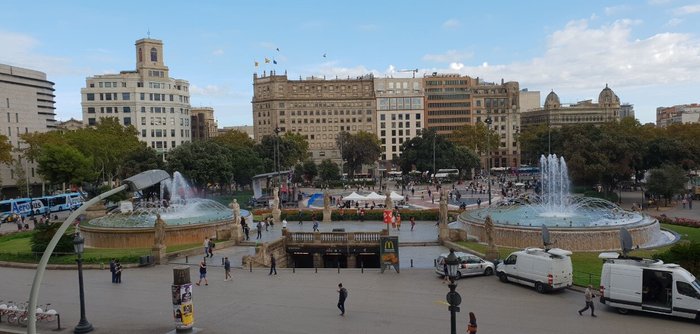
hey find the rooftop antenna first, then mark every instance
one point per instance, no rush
(546, 240)
(148, 33)
(625, 241)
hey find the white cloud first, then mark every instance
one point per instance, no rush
(449, 56)
(686, 10)
(218, 52)
(267, 45)
(612, 10)
(451, 24)
(21, 50)
(673, 22)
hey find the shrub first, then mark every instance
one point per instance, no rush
(686, 254)
(42, 236)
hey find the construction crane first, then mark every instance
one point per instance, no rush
(414, 72)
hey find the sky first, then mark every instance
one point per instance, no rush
(647, 51)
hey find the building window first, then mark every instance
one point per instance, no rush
(154, 54)
(126, 96)
(126, 109)
(143, 96)
(127, 120)
(90, 96)
(91, 121)
(91, 110)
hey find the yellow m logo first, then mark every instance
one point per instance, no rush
(388, 244)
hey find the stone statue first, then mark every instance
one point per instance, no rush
(443, 207)
(326, 199)
(276, 198)
(491, 252)
(236, 211)
(388, 203)
(159, 229)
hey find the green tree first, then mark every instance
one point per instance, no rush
(310, 170)
(361, 148)
(328, 170)
(298, 176)
(203, 163)
(140, 160)
(666, 181)
(234, 140)
(5, 150)
(60, 164)
(465, 160)
(418, 153)
(246, 164)
(476, 137)
(21, 176)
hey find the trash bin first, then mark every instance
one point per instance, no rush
(143, 260)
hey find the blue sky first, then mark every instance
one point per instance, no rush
(648, 52)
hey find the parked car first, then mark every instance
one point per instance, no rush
(470, 265)
(545, 270)
(9, 217)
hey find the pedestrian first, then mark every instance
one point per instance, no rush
(227, 268)
(301, 219)
(206, 246)
(342, 295)
(284, 224)
(445, 277)
(267, 223)
(413, 222)
(589, 301)
(684, 201)
(315, 225)
(478, 202)
(118, 272)
(203, 272)
(211, 247)
(471, 327)
(113, 269)
(273, 265)
(398, 221)
(246, 230)
(259, 227)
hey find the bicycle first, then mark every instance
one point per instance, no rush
(20, 315)
(7, 309)
(45, 314)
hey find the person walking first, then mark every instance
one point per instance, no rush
(471, 327)
(246, 230)
(203, 272)
(259, 227)
(273, 264)
(211, 247)
(413, 222)
(227, 268)
(118, 272)
(113, 270)
(589, 301)
(342, 296)
(315, 225)
(206, 246)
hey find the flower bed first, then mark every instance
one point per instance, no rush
(678, 221)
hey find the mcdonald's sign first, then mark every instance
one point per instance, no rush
(389, 252)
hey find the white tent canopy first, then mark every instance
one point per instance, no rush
(373, 196)
(354, 197)
(395, 197)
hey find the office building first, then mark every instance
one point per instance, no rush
(678, 114)
(399, 115)
(203, 123)
(26, 106)
(316, 108)
(157, 105)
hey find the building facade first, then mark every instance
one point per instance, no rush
(678, 114)
(70, 125)
(316, 108)
(626, 110)
(26, 106)
(157, 105)
(400, 114)
(203, 123)
(452, 101)
(555, 114)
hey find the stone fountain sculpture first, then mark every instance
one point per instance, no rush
(276, 212)
(388, 203)
(236, 227)
(491, 251)
(159, 248)
(326, 206)
(444, 231)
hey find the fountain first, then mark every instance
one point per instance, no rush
(576, 222)
(189, 219)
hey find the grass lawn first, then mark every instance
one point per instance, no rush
(587, 266)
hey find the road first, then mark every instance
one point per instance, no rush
(304, 302)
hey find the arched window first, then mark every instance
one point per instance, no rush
(140, 55)
(154, 54)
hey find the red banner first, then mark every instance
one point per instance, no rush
(387, 216)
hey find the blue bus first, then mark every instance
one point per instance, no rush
(65, 202)
(23, 206)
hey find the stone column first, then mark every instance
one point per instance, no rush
(444, 231)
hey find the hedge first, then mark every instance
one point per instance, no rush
(352, 214)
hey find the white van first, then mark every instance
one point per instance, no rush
(648, 285)
(545, 270)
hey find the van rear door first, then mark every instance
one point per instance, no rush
(625, 285)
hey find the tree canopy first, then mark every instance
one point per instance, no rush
(361, 148)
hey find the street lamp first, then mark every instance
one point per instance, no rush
(83, 326)
(453, 297)
(488, 122)
(137, 182)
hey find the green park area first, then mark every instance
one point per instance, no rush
(587, 266)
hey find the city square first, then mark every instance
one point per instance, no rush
(379, 167)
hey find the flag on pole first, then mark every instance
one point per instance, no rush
(274, 61)
(256, 64)
(278, 49)
(267, 60)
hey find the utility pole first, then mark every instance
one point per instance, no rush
(488, 155)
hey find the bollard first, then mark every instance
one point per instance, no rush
(316, 269)
(338, 267)
(250, 264)
(222, 261)
(362, 266)
(294, 267)
(187, 259)
(411, 263)
(434, 262)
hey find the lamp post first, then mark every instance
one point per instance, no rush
(488, 122)
(434, 170)
(453, 297)
(83, 326)
(135, 183)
